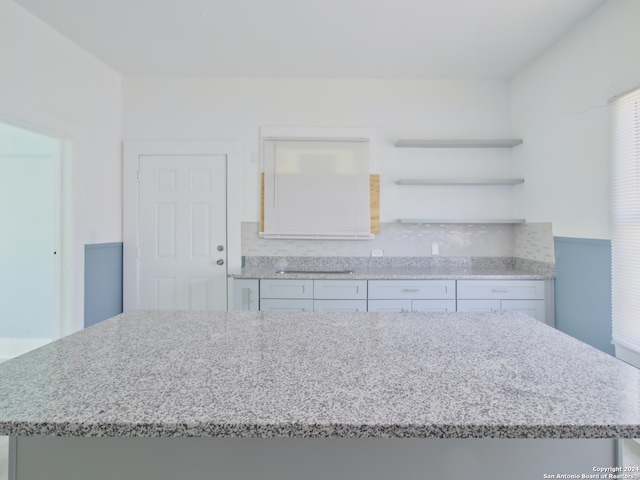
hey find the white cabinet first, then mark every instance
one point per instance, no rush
(286, 295)
(246, 294)
(340, 295)
(286, 288)
(531, 297)
(389, 305)
(340, 289)
(526, 296)
(313, 295)
(534, 308)
(339, 305)
(286, 305)
(412, 295)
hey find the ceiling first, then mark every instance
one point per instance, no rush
(314, 38)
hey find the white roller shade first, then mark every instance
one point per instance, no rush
(626, 221)
(316, 189)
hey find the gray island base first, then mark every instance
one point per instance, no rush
(266, 395)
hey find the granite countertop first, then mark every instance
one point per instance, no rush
(396, 268)
(399, 273)
(270, 374)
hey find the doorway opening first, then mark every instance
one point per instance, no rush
(32, 252)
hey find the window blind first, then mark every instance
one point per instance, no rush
(316, 189)
(625, 240)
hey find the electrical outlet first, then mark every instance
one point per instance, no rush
(435, 250)
(376, 253)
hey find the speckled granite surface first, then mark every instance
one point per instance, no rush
(268, 374)
(398, 268)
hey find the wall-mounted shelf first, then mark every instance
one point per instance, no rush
(492, 143)
(461, 143)
(460, 181)
(462, 220)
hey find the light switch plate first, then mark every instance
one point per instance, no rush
(377, 253)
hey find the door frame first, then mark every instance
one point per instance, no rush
(132, 152)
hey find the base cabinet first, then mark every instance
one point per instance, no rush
(286, 295)
(531, 297)
(286, 305)
(290, 295)
(339, 305)
(412, 305)
(246, 294)
(412, 296)
(525, 296)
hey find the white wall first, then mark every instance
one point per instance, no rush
(559, 106)
(50, 83)
(232, 108)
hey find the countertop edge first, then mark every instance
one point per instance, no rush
(179, 430)
(391, 276)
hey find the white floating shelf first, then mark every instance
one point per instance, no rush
(492, 143)
(461, 181)
(461, 220)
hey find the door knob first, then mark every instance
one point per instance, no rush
(220, 261)
(220, 248)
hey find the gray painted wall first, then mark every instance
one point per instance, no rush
(102, 282)
(583, 290)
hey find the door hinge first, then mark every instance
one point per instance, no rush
(138, 176)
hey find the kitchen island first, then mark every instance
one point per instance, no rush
(314, 395)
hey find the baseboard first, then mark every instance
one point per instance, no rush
(12, 347)
(627, 355)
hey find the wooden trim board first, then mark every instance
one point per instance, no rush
(374, 196)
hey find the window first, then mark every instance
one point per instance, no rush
(626, 225)
(316, 188)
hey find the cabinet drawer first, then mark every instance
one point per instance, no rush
(412, 289)
(286, 289)
(389, 305)
(340, 305)
(503, 289)
(480, 306)
(433, 305)
(286, 305)
(340, 289)
(533, 308)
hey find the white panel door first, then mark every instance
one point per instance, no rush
(182, 232)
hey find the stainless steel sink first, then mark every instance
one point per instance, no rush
(331, 272)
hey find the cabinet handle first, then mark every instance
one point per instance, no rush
(499, 290)
(408, 290)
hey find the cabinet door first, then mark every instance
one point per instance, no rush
(389, 305)
(533, 308)
(340, 305)
(433, 305)
(245, 294)
(340, 289)
(480, 306)
(286, 288)
(286, 305)
(412, 289)
(502, 289)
